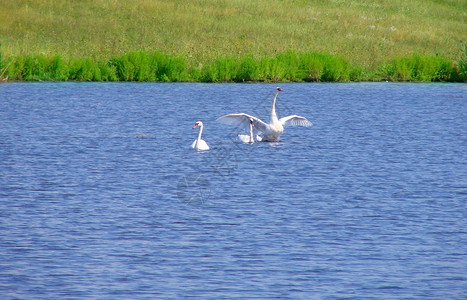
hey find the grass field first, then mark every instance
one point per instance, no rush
(371, 39)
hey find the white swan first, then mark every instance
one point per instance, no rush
(273, 130)
(199, 144)
(248, 139)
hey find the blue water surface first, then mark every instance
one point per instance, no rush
(101, 196)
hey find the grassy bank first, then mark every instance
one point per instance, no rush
(208, 36)
(289, 67)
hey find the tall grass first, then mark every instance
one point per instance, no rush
(283, 67)
(130, 67)
(462, 66)
(286, 67)
(140, 66)
(421, 69)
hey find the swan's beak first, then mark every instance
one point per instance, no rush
(196, 125)
(279, 89)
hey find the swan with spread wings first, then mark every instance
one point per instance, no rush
(272, 131)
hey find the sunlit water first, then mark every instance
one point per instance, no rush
(102, 197)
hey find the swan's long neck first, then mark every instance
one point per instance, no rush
(273, 108)
(251, 134)
(200, 132)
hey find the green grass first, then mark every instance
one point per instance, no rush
(288, 67)
(425, 69)
(233, 40)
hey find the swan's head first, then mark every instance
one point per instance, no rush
(251, 123)
(199, 123)
(278, 89)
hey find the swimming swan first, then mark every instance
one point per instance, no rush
(248, 139)
(273, 130)
(199, 144)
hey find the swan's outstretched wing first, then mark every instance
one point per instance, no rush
(294, 120)
(243, 120)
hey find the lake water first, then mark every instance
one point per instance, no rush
(103, 198)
